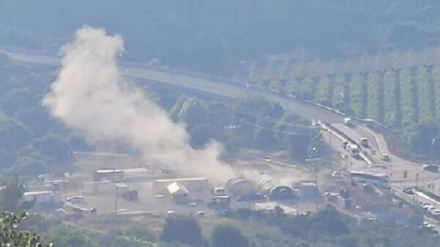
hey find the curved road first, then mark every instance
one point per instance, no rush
(234, 90)
(228, 90)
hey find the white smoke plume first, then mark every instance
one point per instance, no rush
(91, 95)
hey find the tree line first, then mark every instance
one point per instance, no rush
(406, 100)
(252, 122)
(240, 228)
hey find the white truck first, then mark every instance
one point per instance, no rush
(353, 150)
(348, 121)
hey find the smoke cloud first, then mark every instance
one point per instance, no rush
(91, 95)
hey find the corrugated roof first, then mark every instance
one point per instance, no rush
(181, 180)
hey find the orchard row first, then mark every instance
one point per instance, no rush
(397, 98)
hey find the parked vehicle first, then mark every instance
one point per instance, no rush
(372, 179)
(385, 157)
(348, 121)
(429, 208)
(430, 168)
(353, 150)
(364, 142)
(408, 190)
(435, 212)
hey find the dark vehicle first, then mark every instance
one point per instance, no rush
(385, 157)
(408, 190)
(364, 142)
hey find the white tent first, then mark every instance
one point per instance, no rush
(177, 189)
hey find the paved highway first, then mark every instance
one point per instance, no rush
(237, 90)
(230, 90)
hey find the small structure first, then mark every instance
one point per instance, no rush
(219, 202)
(238, 187)
(345, 202)
(135, 174)
(103, 187)
(39, 196)
(198, 186)
(108, 174)
(218, 191)
(274, 191)
(332, 197)
(308, 190)
(78, 210)
(124, 191)
(178, 193)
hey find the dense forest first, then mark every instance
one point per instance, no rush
(215, 36)
(242, 228)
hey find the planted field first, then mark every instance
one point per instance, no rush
(395, 97)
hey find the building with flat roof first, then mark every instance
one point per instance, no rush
(39, 196)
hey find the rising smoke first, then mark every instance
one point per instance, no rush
(91, 95)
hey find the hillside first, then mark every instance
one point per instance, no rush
(214, 36)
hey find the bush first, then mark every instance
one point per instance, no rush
(183, 229)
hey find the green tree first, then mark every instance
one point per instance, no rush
(17, 99)
(201, 134)
(407, 98)
(228, 236)
(53, 146)
(328, 222)
(275, 85)
(193, 112)
(391, 99)
(375, 99)
(10, 236)
(324, 91)
(36, 118)
(31, 162)
(435, 75)
(72, 237)
(292, 87)
(340, 91)
(259, 107)
(13, 134)
(298, 146)
(358, 95)
(177, 107)
(425, 95)
(183, 229)
(307, 88)
(11, 195)
(420, 137)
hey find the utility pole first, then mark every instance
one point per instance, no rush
(330, 138)
(116, 199)
(316, 184)
(314, 169)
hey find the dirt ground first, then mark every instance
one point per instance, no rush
(251, 164)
